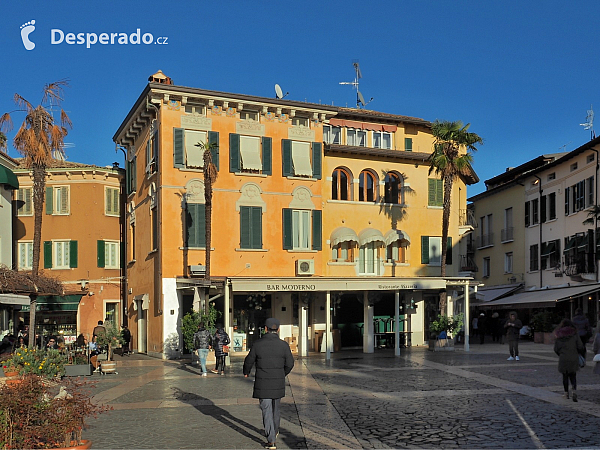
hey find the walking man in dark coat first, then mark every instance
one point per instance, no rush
(273, 359)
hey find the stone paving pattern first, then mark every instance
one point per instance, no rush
(421, 399)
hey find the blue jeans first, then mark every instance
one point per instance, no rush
(270, 414)
(202, 355)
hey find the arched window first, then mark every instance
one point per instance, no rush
(367, 185)
(393, 188)
(340, 185)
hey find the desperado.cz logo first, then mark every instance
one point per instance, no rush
(58, 36)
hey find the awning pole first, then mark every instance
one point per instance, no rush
(328, 325)
(467, 317)
(397, 323)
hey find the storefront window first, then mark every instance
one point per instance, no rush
(250, 311)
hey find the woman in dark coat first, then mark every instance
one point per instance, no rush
(568, 347)
(220, 339)
(597, 352)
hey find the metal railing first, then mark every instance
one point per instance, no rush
(507, 234)
(485, 240)
(467, 264)
(466, 217)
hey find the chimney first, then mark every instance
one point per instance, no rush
(160, 77)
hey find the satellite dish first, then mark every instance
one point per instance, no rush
(279, 92)
(361, 99)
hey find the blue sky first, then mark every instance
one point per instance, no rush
(522, 73)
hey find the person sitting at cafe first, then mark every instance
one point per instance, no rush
(52, 343)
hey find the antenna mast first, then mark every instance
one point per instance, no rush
(359, 97)
(589, 122)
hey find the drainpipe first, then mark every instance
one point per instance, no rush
(123, 204)
(539, 183)
(596, 215)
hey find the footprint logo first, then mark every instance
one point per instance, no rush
(26, 30)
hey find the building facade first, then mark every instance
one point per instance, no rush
(315, 209)
(81, 245)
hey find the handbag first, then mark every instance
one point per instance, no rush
(582, 361)
(226, 349)
(596, 358)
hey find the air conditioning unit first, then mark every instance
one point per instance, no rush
(305, 267)
(197, 270)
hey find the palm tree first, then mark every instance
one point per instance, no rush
(210, 176)
(2, 141)
(449, 163)
(39, 139)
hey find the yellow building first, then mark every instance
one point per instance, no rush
(81, 245)
(315, 208)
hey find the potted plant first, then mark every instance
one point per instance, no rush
(189, 326)
(442, 330)
(46, 363)
(78, 366)
(110, 339)
(38, 414)
(543, 325)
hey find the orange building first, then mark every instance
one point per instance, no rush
(313, 206)
(81, 245)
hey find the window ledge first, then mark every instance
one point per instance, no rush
(507, 241)
(250, 174)
(341, 263)
(353, 202)
(191, 169)
(551, 220)
(251, 249)
(153, 251)
(302, 251)
(398, 205)
(196, 248)
(397, 264)
(302, 178)
(435, 207)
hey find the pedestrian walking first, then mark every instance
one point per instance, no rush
(596, 349)
(495, 327)
(219, 343)
(274, 361)
(201, 346)
(512, 327)
(482, 324)
(126, 335)
(568, 347)
(582, 325)
(475, 326)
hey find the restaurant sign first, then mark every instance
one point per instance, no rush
(332, 284)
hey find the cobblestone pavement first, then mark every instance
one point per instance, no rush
(420, 399)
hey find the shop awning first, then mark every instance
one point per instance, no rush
(56, 303)
(369, 235)
(14, 299)
(397, 235)
(8, 177)
(542, 298)
(491, 294)
(343, 234)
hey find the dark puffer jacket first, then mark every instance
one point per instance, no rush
(568, 347)
(220, 339)
(274, 360)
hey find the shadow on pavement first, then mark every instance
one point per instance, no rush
(207, 407)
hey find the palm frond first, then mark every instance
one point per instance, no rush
(6, 123)
(54, 91)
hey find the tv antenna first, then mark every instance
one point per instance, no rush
(360, 100)
(589, 122)
(279, 92)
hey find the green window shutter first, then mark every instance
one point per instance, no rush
(256, 226)
(288, 242)
(267, 156)
(317, 234)
(286, 152)
(213, 138)
(73, 254)
(424, 249)
(234, 153)
(316, 159)
(155, 149)
(134, 174)
(430, 191)
(49, 198)
(408, 144)
(245, 224)
(101, 254)
(449, 251)
(178, 147)
(439, 192)
(47, 255)
(196, 225)
(148, 155)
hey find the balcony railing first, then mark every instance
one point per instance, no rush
(485, 240)
(467, 218)
(507, 234)
(467, 264)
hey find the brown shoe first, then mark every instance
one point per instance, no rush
(214, 371)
